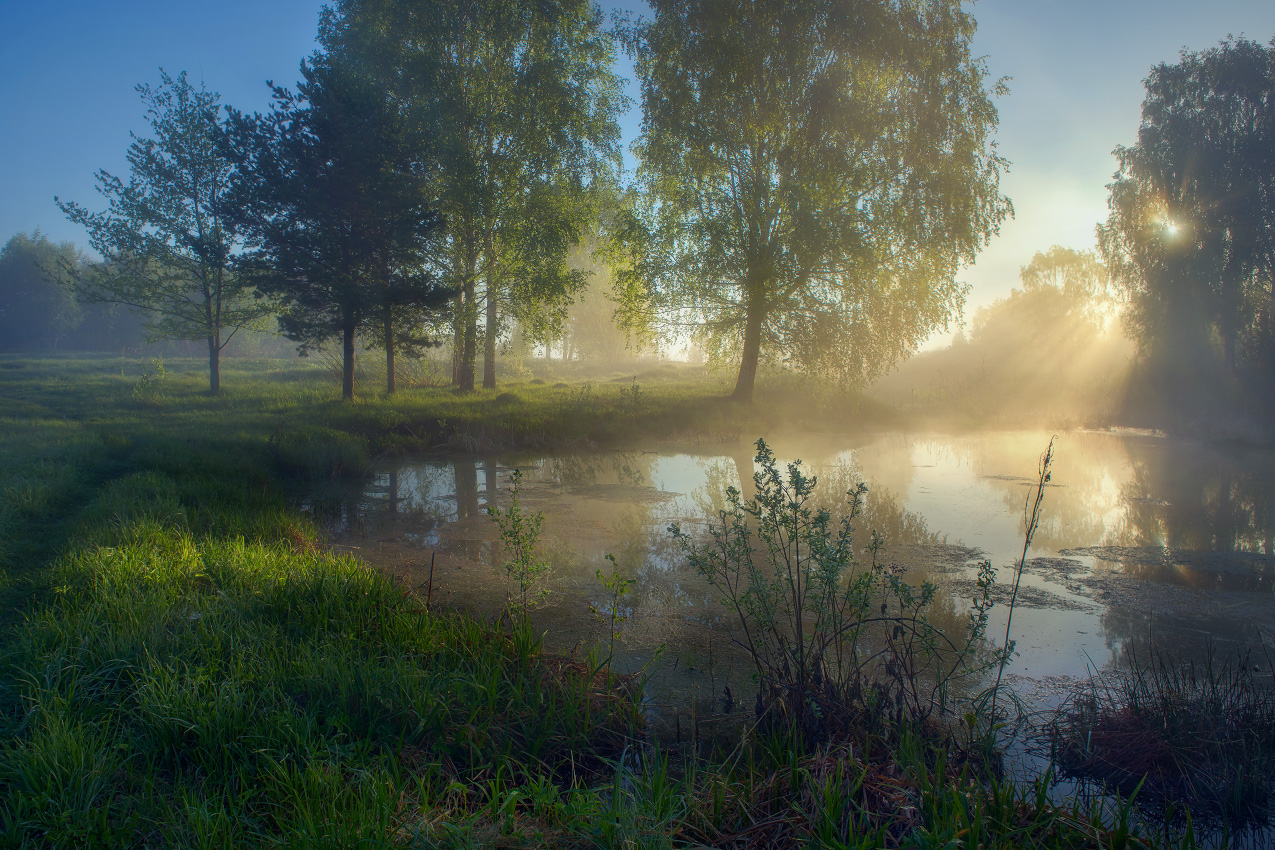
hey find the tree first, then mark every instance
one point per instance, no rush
(166, 241)
(1191, 228)
(522, 103)
(1057, 320)
(37, 305)
(1078, 277)
(339, 211)
(815, 173)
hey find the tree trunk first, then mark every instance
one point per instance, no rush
(489, 341)
(744, 457)
(468, 314)
(490, 482)
(466, 470)
(214, 364)
(458, 335)
(752, 345)
(389, 350)
(347, 361)
(469, 349)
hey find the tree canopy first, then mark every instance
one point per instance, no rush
(339, 209)
(814, 175)
(521, 101)
(1191, 228)
(165, 238)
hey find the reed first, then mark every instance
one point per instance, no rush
(1197, 736)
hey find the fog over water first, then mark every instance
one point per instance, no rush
(1141, 536)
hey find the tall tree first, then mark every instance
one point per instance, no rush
(815, 174)
(1191, 228)
(37, 305)
(522, 102)
(166, 240)
(340, 210)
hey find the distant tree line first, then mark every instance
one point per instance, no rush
(38, 307)
(1051, 353)
(811, 178)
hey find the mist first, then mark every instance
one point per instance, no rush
(1040, 357)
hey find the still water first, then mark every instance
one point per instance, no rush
(1143, 538)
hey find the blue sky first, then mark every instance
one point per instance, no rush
(68, 71)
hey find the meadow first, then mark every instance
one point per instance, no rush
(182, 663)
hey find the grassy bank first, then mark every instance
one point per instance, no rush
(295, 403)
(182, 665)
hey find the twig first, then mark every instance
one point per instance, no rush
(429, 593)
(1032, 518)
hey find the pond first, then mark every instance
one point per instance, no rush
(1142, 537)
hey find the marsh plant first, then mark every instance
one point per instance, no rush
(612, 613)
(837, 644)
(1181, 733)
(1031, 522)
(519, 537)
(631, 396)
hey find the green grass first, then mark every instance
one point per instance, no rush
(181, 665)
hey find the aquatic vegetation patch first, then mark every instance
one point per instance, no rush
(1185, 735)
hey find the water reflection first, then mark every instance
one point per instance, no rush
(1140, 534)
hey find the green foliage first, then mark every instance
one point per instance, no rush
(812, 176)
(522, 102)
(149, 385)
(189, 669)
(341, 209)
(836, 647)
(632, 395)
(519, 536)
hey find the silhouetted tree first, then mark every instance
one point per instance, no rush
(815, 173)
(1191, 228)
(340, 210)
(165, 238)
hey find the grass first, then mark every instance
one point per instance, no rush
(1191, 736)
(182, 665)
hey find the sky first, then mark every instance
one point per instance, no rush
(68, 72)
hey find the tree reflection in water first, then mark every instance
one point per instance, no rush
(939, 501)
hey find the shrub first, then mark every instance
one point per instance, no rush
(836, 645)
